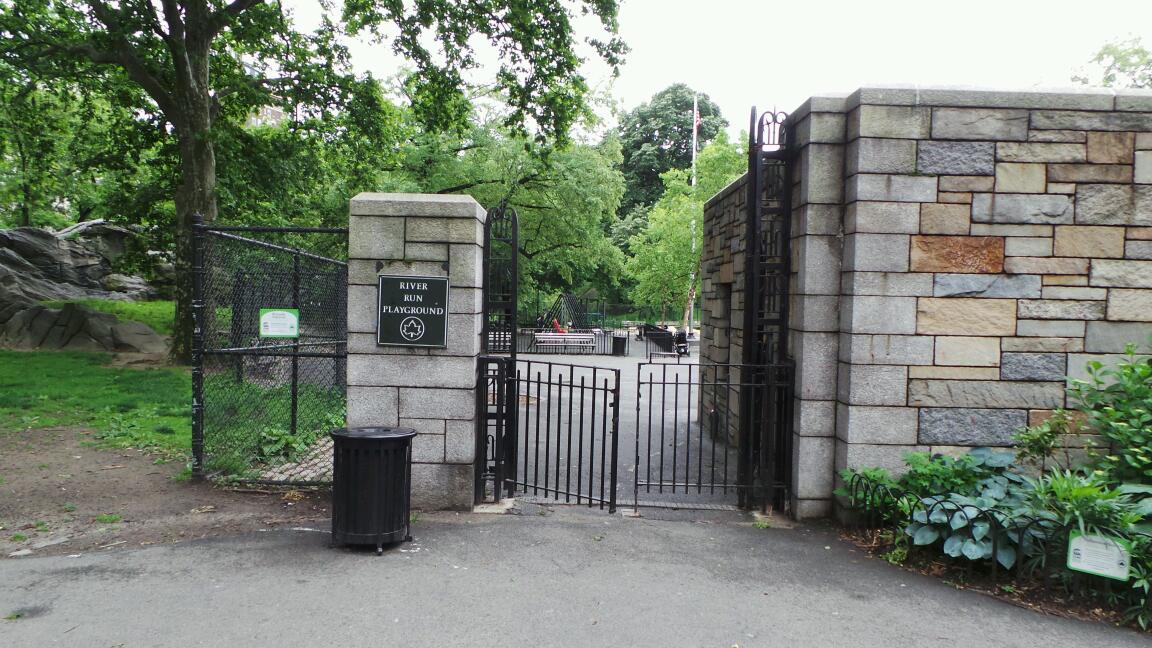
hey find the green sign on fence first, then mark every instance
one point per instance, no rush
(279, 323)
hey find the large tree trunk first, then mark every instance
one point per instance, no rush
(196, 195)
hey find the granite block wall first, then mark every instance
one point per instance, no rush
(956, 253)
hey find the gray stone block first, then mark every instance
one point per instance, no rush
(882, 217)
(1110, 204)
(460, 442)
(444, 230)
(373, 406)
(956, 158)
(872, 385)
(1042, 209)
(438, 487)
(865, 455)
(1040, 152)
(970, 427)
(375, 237)
(885, 315)
(1101, 121)
(984, 285)
(979, 124)
(815, 355)
(411, 371)
(1049, 328)
(429, 205)
(817, 220)
(894, 284)
(889, 425)
(1033, 366)
(466, 264)
(821, 174)
(1060, 309)
(904, 122)
(874, 155)
(892, 188)
(818, 265)
(876, 253)
(985, 394)
(886, 349)
(814, 418)
(813, 459)
(1112, 337)
(428, 448)
(425, 252)
(364, 272)
(814, 312)
(1121, 274)
(426, 402)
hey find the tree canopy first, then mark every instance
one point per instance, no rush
(1120, 64)
(656, 136)
(202, 63)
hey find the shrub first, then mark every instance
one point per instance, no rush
(1118, 402)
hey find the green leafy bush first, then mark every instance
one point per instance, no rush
(1118, 402)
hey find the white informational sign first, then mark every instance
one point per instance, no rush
(1099, 555)
(279, 323)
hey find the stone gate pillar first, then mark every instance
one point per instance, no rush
(429, 388)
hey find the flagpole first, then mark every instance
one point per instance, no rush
(690, 306)
(695, 122)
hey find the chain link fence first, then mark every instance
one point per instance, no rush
(269, 381)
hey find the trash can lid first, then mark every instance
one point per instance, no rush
(374, 433)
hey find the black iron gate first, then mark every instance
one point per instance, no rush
(501, 280)
(766, 423)
(547, 430)
(269, 352)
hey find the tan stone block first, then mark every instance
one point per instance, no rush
(968, 351)
(1041, 344)
(1140, 233)
(985, 229)
(1065, 280)
(1090, 173)
(1111, 148)
(1074, 292)
(936, 218)
(954, 373)
(1045, 265)
(1130, 305)
(1061, 188)
(966, 183)
(1031, 246)
(1039, 152)
(1020, 178)
(960, 254)
(965, 316)
(1073, 136)
(1143, 141)
(1093, 242)
(955, 197)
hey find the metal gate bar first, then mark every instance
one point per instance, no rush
(688, 430)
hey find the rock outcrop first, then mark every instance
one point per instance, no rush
(37, 265)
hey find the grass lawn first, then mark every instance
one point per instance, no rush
(143, 408)
(158, 315)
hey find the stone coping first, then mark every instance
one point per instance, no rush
(423, 205)
(1068, 98)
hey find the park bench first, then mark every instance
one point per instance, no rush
(584, 341)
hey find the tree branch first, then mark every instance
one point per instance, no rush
(126, 57)
(220, 19)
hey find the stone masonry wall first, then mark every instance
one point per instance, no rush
(955, 254)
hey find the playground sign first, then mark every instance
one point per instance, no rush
(412, 312)
(279, 323)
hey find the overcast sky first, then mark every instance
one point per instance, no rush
(745, 52)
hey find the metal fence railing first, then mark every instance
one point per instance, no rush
(266, 389)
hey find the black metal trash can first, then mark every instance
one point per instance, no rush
(619, 344)
(371, 485)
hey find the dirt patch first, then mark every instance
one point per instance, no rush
(61, 495)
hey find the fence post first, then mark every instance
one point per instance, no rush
(197, 347)
(295, 343)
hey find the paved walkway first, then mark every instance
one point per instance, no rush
(567, 578)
